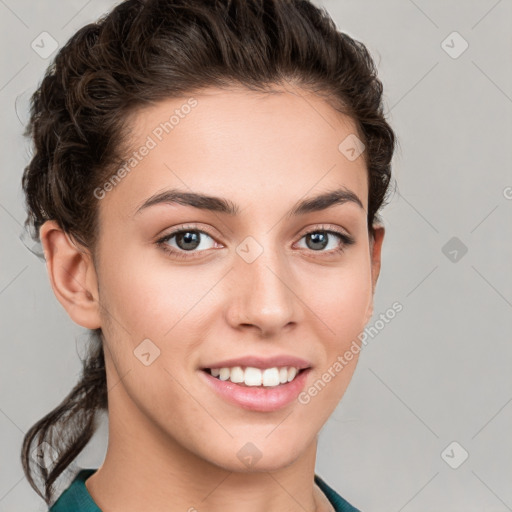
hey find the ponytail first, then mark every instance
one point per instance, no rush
(51, 445)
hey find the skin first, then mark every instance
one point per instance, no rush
(173, 442)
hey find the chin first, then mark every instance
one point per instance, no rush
(257, 455)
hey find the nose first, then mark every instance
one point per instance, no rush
(263, 296)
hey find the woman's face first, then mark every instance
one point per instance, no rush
(244, 279)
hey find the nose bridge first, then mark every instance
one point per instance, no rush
(263, 295)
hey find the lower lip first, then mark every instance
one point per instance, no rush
(258, 398)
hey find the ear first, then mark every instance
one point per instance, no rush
(72, 275)
(375, 255)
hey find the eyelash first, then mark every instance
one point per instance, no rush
(346, 241)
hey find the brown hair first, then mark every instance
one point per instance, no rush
(145, 51)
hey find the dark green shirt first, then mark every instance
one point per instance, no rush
(76, 497)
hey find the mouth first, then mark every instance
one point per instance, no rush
(258, 389)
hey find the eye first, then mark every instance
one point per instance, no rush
(186, 240)
(319, 239)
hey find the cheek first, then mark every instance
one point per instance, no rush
(341, 297)
(144, 296)
(342, 307)
(353, 295)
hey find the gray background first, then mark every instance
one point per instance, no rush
(439, 372)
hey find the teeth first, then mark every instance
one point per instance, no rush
(271, 377)
(224, 374)
(251, 376)
(291, 374)
(236, 374)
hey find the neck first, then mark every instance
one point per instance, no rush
(146, 469)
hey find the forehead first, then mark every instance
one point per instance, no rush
(250, 146)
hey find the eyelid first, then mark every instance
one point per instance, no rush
(205, 229)
(325, 227)
(189, 227)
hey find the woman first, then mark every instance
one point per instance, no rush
(206, 183)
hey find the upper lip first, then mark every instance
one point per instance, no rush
(262, 362)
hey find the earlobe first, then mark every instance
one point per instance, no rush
(72, 275)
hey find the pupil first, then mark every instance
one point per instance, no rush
(319, 240)
(188, 237)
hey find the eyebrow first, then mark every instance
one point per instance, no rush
(221, 205)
